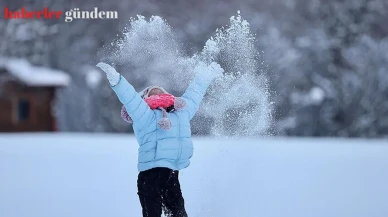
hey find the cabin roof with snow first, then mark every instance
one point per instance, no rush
(34, 75)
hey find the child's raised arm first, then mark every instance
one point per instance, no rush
(197, 88)
(136, 107)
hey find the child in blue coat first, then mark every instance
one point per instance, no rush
(162, 152)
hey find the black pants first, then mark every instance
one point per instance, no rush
(159, 188)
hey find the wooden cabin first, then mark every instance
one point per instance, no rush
(27, 94)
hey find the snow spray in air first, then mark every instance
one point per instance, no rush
(149, 53)
(237, 103)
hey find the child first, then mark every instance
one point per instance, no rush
(164, 137)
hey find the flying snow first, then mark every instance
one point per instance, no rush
(238, 102)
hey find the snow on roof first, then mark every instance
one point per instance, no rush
(34, 75)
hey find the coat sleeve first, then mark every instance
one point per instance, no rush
(196, 91)
(136, 107)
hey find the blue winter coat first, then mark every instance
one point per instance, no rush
(171, 148)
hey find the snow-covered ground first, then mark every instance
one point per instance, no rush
(94, 175)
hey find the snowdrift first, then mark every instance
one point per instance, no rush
(81, 175)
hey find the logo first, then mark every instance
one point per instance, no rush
(70, 15)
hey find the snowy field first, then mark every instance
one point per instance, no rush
(94, 175)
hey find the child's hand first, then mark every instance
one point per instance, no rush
(106, 67)
(208, 72)
(216, 69)
(112, 75)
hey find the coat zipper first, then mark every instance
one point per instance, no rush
(180, 141)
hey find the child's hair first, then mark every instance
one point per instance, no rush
(145, 93)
